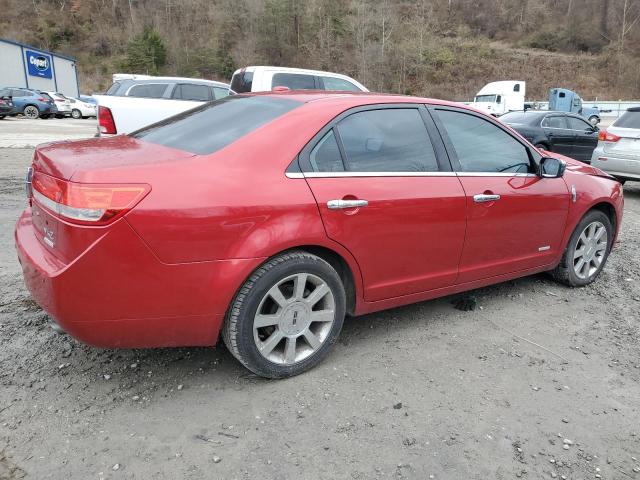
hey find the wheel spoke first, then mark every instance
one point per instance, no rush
(266, 320)
(578, 253)
(591, 230)
(300, 284)
(312, 340)
(600, 232)
(583, 238)
(601, 246)
(579, 265)
(315, 296)
(584, 271)
(277, 296)
(290, 350)
(270, 343)
(323, 316)
(596, 261)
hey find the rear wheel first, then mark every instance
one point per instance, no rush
(75, 113)
(31, 111)
(587, 251)
(594, 120)
(287, 316)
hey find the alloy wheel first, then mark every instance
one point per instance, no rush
(590, 250)
(31, 112)
(294, 318)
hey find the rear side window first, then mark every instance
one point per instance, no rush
(554, 122)
(629, 119)
(387, 140)
(331, 83)
(207, 129)
(193, 92)
(113, 89)
(294, 81)
(147, 90)
(482, 146)
(325, 156)
(242, 82)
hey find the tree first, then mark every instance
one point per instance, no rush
(146, 53)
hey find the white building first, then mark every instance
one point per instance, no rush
(24, 66)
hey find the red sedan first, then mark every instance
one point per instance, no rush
(267, 218)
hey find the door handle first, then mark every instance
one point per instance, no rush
(483, 198)
(341, 204)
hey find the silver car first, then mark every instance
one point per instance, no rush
(618, 150)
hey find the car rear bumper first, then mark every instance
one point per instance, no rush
(628, 167)
(118, 294)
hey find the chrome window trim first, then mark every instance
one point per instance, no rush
(404, 174)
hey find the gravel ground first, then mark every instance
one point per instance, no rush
(541, 382)
(20, 132)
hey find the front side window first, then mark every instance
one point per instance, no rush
(482, 146)
(147, 90)
(331, 83)
(242, 82)
(387, 140)
(193, 92)
(554, 122)
(578, 124)
(213, 126)
(293, 81)
(219, 92)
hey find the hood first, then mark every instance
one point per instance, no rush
(70, 158)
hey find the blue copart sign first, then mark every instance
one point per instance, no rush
(38, 64)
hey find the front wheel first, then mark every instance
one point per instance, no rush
(31, 111)
(587, 251)
(594, 120)
(287, 316)
(75, 113)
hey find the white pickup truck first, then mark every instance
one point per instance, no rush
(133, 102)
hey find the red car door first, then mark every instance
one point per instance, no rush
(515, 219)
(384, 196)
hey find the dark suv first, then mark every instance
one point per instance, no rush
(30, 103)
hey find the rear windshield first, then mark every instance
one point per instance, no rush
(629, 119)
(210, 127)
(242, 82)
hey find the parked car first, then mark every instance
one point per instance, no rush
(618, 150)
(565, 133)
(30, 103)
(88, 99)
(62, 104)
(6, 106)
(269, 217)
(262, 79)
(156, 98)
(82, 109)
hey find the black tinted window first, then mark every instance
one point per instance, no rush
(522, 118)
(215, 125)
(147, 90)
(554, 122)
(294, 81)
(578, 124)
(482, 146)
(629, 119)
(190, 91)
(388, 140)
(242, 82)
(325, 156)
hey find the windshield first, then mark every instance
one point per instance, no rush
(629, 119)
(485, 99)
(212, 126)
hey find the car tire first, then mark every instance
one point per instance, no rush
(579, 269)
(594, 120)
(31, 111)
(277, 325)
(2, 117)
(75, 113)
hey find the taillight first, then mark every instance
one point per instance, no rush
(605, 136)
(105, 121)
(86, 203)
(41, 99)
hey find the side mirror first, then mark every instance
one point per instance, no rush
(551, 167)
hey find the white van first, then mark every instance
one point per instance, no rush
(497, 98)
(264, 79)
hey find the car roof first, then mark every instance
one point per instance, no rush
(355, 98)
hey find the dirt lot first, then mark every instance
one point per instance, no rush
(542, 382)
